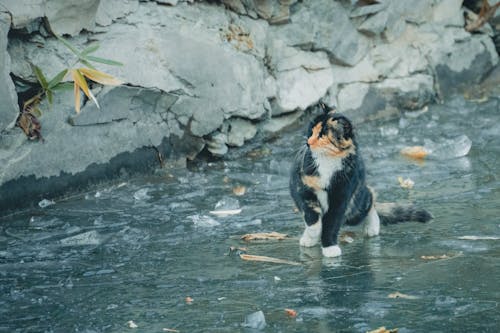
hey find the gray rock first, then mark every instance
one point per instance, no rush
(8, 96)
(23, 12)
(276, 124)
(332, 31)
(302, 78)
(387, 98)
(239, 130)
(110, 10)
(217, 144)
(71, 17)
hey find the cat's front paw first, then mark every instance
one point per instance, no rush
(332, 251)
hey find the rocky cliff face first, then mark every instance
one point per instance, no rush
(212, 75)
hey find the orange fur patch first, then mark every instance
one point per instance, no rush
(313, 139)
(312, 182)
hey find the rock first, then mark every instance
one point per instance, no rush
(387, 98)
(8, 96)
(276, 124)
(332, 31)
(216, 144)
(302, 78)
(71, 17)
(110, 10)
(240, 130)
(23, 13)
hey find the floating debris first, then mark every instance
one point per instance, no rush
(189, 300)
(131, 324)
(406, 183)
(264, 236)
(225, 212)
(170, 330)
(347, 237)
(239, 190)
(45, 203)
(250, 257)
(443, 256)
(291, 313)
(479, 238)
(397, 294)
(415, 152)
(383, 330)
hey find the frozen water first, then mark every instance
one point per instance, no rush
(92, 265)
(227, 203)
(255, 320)
(203, 221)
(142, 194)
(86, 238)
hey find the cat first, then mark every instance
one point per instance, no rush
(328, 186)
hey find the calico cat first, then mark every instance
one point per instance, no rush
(327, 184)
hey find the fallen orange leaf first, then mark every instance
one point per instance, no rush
(291, 313)
(415, 152)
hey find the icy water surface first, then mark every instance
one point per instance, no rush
(146, 254)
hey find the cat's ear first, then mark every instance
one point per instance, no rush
(325, 108)
(347, 127)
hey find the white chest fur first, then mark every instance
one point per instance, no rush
(327, 166)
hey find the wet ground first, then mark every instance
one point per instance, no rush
(146, 254)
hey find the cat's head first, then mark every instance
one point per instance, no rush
(331, 134)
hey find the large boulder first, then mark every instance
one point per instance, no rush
(8, 97)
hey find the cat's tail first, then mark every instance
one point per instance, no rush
(392, 213)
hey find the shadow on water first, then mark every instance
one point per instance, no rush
(149, 251)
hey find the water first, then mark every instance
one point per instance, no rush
(148, 252)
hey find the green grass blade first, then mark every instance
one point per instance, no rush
(50, 96)
(69, 46)
(57, 79)
(39, 76)
(90, 49)
(104, 61)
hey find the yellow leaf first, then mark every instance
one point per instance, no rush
(100, 77)
(250, 257)
(76, 90)
(82, 83)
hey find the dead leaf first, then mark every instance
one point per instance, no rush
(347, 237)
(479, 238)
(443, 256)
(264, 236)
(239, 190)
(225, 212)
(291, 313)
(397, 294)
(415, 152)
(383, 330)
(406, 183)
(100, 77)
(250, 257)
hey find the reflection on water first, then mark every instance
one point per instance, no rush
(136, 250)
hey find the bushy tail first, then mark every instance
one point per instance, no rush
(392, 213)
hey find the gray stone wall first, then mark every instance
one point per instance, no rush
(213, 75)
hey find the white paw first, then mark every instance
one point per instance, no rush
(311, 235)
(372, 224)
(332, 251)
